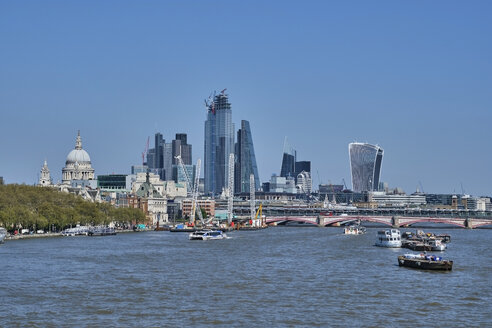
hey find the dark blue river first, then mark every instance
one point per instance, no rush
(277, 277)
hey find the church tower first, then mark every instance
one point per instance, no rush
(45, 178)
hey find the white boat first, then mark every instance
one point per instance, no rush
(437, 245)
(207, 235)
(76, 231)
(3, 234)
(389, 238)
(354, 230)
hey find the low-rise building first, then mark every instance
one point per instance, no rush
(395, 200)
(207, 204)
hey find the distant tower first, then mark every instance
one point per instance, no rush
(219, 143)
(245, 160)
(45, 178)
(181, 147)
(288, 161)
(365, 166)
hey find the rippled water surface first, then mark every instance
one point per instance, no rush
(277, 277)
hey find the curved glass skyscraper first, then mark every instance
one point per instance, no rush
(365, 166)
(245, 160)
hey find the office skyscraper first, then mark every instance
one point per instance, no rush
(219, 143)
(161, 158)
(245, 160)
(300, 167)
(181, 147)
(159, 150)
(155, 156)
(288, 161)
(365, 166)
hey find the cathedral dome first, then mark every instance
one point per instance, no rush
(78, 155)
(78, 165)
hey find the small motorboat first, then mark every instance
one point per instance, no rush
(207, 234)
(437, 245)
(425, 262)
(354, 229)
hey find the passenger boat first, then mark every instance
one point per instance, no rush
(3, 234)
(77, 231)
(102, 231)
(389, 238)
(207, 235)
(354, 229)
(425, 262)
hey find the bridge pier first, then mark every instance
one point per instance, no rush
(469, 223)
(395, 221)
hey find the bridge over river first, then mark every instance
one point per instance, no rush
(390, 217)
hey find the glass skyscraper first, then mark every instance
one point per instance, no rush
(288, 161)
(181, 147)
(245, 160)
(219, 143)
(365, 166)
(161, 158)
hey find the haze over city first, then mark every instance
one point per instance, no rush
(414, 78)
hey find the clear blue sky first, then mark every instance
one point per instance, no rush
(412, 76)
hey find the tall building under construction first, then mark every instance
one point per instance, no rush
(219, 143)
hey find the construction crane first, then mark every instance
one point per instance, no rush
(259, 215)
(145, 150)
(252, 205)
(194, 190)
(195, 194)
(344, 184)
(333, 191)
(230, 200)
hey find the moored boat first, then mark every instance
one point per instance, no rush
(388, 238)
(420, 235)
(437, 245)
(76, 231)
(425, 262)
(102, 231)
(416, 245)
(3, 234)
(207, 235)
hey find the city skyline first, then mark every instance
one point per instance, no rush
(414, 80)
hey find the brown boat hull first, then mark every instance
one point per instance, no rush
(425, 264)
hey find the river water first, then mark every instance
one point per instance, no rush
(277, 277)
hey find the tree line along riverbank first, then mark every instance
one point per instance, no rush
(41, 208)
